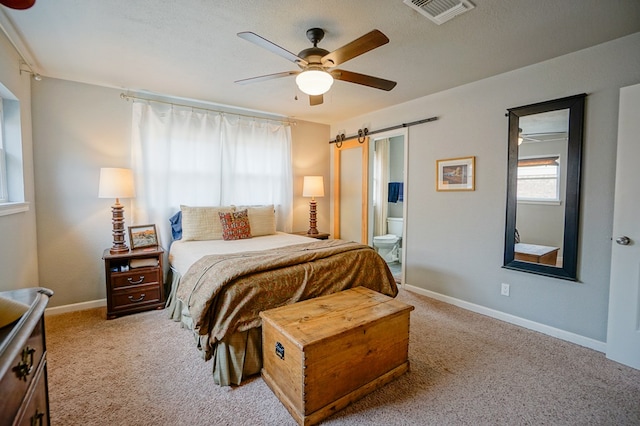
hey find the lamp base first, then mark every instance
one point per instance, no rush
(119, 244)
(312, 218)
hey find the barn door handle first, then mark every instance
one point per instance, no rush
(623, 241)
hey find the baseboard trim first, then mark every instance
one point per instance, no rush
(512, 319)
(75, 307)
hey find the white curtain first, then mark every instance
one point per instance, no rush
(381, 186)
(202, 158)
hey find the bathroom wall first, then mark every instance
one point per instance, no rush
(396, 170)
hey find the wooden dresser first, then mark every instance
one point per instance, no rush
(24, 396)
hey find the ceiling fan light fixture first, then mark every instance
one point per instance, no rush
(314, 82)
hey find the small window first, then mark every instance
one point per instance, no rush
(539, 179)
(4, 192)
(11, 163)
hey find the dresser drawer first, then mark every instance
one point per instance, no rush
(21, 374)
(34, 411)
(139, 295)
(135, 277)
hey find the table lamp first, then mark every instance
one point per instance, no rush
(117, 183)
(313, 186)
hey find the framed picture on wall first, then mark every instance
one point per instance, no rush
(142, 236)
(456, 174)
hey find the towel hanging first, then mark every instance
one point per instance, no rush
(395, 192)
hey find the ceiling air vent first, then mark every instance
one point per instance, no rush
(440, 11)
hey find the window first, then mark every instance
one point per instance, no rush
(539, 179)
(11, 164)
(4, 192)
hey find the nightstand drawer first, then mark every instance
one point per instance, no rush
(135, 277)
(139, 295)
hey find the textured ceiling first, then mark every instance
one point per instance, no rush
(189, 48)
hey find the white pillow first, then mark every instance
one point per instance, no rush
(202, 223)
(262, 219)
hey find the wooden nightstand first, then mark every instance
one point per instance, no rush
(133, 289)
(319, 236)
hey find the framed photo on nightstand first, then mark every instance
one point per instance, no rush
(142, 236)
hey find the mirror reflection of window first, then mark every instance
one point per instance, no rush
(539, 178)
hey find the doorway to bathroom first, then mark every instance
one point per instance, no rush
(387, 199)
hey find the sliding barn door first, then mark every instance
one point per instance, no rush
(350, 190)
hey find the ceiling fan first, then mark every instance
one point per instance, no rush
(18, 4)
(318, 65)
(542, 137)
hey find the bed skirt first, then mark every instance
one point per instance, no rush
(235, 358)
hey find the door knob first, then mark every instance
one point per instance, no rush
(623, 241)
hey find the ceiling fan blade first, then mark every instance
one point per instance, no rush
(315, 99)
(365, 80)
(266, 77)
(271, 47)
(18, 4)
(357, 47)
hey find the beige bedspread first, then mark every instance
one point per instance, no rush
(225, 293)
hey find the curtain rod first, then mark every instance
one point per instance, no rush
(362, 133)
(23, 60)
(130, 97)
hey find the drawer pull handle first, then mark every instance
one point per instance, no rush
(137, 300)
(136, 282)
(37, 418)
(25, 366)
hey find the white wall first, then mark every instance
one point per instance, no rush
(454, 242)
(79, 128)
(311, 158)
(18, 254)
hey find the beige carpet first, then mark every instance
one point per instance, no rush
(466, 369)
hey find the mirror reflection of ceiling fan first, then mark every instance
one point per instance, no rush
(317, 65)
(543, 137)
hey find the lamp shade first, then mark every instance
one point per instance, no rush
(314, 82)
(116, 183)
(313, 186)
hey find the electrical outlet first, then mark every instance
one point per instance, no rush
(504, 290)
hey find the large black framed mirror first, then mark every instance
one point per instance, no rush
(543, 187)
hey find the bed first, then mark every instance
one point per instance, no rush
(219, 287)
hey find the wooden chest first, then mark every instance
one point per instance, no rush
(322, 354)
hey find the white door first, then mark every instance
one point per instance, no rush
(623, 333)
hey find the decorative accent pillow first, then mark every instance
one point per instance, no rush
(262, 219)
(235, 225)
(202, 223)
